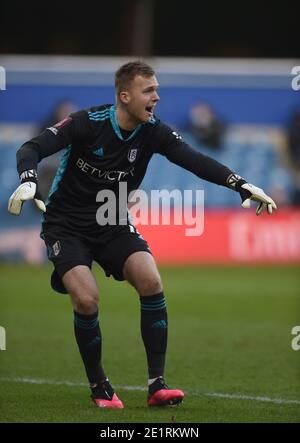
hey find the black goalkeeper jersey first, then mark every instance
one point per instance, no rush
(97, 157)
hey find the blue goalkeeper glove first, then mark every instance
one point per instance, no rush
(26, 191)
(250, 192)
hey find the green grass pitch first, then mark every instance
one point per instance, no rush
(229, 347)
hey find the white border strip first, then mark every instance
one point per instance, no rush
(205, 72)
(34, 381)
(165, 65)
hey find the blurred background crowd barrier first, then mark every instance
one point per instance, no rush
(243, 113)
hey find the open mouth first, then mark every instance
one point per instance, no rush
(150, 109)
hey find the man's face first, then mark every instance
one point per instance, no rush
(141, 98)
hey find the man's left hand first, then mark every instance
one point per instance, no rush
(250, 192)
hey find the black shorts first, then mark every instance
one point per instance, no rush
(109, 248)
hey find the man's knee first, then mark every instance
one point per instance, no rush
(149, 285)
(140, 270)
(83, 290)
(85, 305)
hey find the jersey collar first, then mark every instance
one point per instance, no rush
(115, 125)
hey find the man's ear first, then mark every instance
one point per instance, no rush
(124, 97)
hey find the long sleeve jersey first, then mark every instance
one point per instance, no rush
(97, 156)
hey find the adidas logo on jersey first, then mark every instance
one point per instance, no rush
(99, 152)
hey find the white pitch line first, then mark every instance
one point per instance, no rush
(252, 397)
(41, 381)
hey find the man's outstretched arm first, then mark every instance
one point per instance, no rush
(180, 153)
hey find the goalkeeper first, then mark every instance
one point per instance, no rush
(106, 145)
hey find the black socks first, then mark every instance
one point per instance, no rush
(89, 340)
(154, 330)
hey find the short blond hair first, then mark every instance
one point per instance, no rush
(126, 74)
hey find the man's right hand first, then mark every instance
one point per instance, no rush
(26, 191)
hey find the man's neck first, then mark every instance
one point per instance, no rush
(124, 120)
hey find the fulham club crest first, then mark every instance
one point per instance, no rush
(132, 155)
(56, 248)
